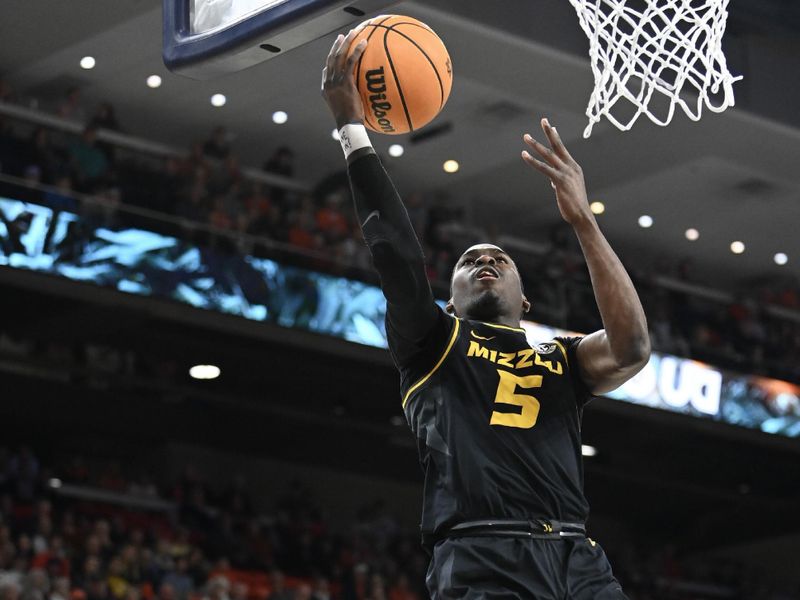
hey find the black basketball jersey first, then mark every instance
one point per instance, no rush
(497, 422)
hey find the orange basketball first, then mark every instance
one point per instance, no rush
(404, 75)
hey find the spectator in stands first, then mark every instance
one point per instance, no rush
(104, 117)
(12, 568)
(23, 475)
(217, 588)
(219, 216)
(43, 154)
(166, 591)
(269, 225)
(117, 583)
(179, 580)
(198, 566)
(60, 589)
(239, 591)
(88, 162)
(71, 107)
(192, 205)
(97, 589)
(303, 592)
(6, 93)
(278, 585)
(62, 197)
(9, 591)
(302, 232)
(218, 145)
(29, 191)
(256, 201)
(330, 220)
(53, 558)
(280, 163)
(662, 333)
(236, 498)
(417, 212)
(36, 585)
(322, 589)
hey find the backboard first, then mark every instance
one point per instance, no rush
(208, 38)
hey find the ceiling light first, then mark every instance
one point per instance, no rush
(396, 150)
(450, 166)
(154, 81)
(279, 117)
(597, 208)
(335, 134)
(692, 234)
(588, 450)
(87, 62)
(204, 372)
(218, 100)
(645, 221)
(737, 247)
(54, 483)
(780, 258)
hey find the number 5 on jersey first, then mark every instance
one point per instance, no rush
(506, 389)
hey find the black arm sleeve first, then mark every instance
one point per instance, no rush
(411, 313)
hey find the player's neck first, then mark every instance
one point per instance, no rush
(505, 320)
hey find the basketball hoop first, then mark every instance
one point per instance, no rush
(665, 47)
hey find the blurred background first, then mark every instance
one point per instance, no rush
(151, 223)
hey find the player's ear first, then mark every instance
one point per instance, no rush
(526, 306)
(450, 309)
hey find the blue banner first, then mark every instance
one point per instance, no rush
(136, 261)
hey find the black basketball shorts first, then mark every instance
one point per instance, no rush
(506, 568)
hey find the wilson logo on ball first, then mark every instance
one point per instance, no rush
(376, 86)
(404, 75)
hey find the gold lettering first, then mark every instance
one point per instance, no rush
(505, 359)
(548, 365)
(475, 349)
(524, 356)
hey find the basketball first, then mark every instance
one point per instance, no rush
(404, 75)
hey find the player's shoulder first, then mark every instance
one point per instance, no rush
(545, 348)
(564, 347)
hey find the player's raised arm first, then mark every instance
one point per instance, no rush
(396, 252)
(611, 356)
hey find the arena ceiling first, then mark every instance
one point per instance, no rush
(732, 176)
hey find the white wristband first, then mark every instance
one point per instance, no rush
(353, 136)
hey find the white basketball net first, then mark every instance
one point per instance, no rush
(663, 47)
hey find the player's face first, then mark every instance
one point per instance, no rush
(486, 285)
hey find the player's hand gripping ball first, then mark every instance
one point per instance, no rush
(403, 76)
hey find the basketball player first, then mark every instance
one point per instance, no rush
(497, 421)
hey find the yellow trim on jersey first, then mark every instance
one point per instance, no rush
(480, 337)
(503, 326)
(564, 352)
(453, 337)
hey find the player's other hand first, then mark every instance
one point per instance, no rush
(338, 84)
(566, 175)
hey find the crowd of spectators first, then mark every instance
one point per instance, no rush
(216, 545)
(206, 186)
(213, 545)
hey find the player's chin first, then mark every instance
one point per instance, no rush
(485, 296)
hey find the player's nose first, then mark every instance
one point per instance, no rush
(485, 260)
